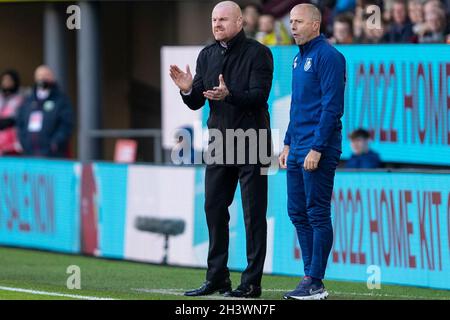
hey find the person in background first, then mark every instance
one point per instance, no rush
(387, 10)
(271, 32)
(435, 25)
(416, 16)
(374, 35)
(10, 101)
(251, 13)
(364, 32)
(358, 23)
(400, 30)
(342, 30)
(415, 11)
(280, 9)
(362, 157)
(45, 121)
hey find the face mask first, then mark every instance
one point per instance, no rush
(43, 89)
(42, 94)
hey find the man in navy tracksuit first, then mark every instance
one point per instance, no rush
(313, 145)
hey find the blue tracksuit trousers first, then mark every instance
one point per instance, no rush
(309, 201)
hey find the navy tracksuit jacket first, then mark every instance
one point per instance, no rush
(317, 106)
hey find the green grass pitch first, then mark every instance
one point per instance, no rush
(28, 274)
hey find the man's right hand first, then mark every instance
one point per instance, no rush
(183, 80)
(283, 157)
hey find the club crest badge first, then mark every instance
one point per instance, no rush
(308, 64)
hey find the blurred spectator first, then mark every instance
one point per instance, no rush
(342, 29)
(416, 16)
(415, 11)
(279, 8)
(10, 101)
(403, 21)
(374, 35)
(368, 34)
(363, 32)
(433, 4)
(358, 23)
(45, 120)
(387, 10)
(400, 29)
(362, 157)
(434, 28)
(251, 13)
(271, 32)
(328, 10)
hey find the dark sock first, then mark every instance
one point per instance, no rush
(316, 281)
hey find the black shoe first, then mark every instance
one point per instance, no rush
(245, 291)
(209, 287)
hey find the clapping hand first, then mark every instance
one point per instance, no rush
(218, 93)
(182, 79)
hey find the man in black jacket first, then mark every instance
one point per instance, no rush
(235, 75)
(45, 120)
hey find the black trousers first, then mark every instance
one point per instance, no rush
(220, 186)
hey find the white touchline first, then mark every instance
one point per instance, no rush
(55, 294)
(179, 292)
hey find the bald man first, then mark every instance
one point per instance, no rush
(313, 145)
(45, 121)
(235, 76)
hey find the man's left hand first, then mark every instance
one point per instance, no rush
(311, 162)
(218, 93)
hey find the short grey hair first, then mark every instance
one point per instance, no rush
(315, 12)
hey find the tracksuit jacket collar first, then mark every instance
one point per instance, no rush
(311, 43)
